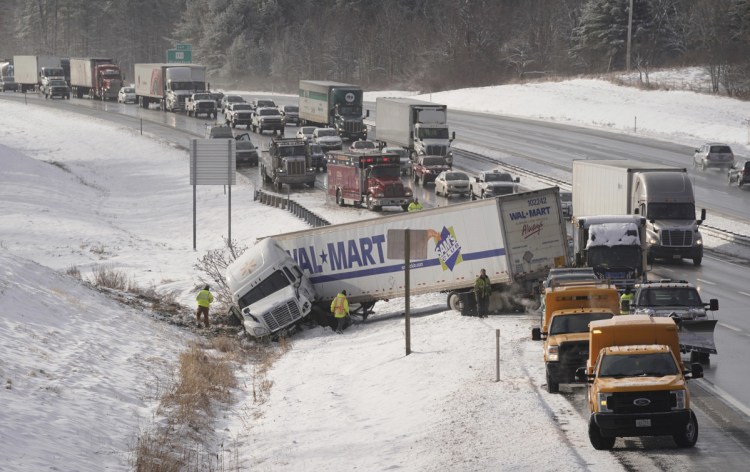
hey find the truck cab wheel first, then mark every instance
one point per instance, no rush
(689, 436)
(697, 260)
(599, 442)
(552, 387)
(339, 198)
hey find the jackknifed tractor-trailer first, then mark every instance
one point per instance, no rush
(517, 239)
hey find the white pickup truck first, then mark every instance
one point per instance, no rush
(490, 184)
(200, 104)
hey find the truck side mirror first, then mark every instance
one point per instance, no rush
(581, 375)
(703, 215)
(536, 334)
(713, 304)
(453, 136)
(367, 114)
(696, 371)
(518, 179)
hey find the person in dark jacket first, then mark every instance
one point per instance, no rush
(482, 290)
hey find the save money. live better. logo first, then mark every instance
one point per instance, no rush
(448, 249)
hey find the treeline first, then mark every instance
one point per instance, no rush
(427, 45)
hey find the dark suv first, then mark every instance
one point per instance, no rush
(739, 173)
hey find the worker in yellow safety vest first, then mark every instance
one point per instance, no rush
(415, 205)
(204, 300)
(626, 297)
(340, 310)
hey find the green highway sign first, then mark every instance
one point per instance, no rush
(184, 47)
(179, 56)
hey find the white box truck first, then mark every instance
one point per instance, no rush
(660, 193)
(516, 238)
(31, 71)
(169, 85)
(419, 126)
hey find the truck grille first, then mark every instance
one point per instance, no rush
(394, 190)
(295, 167)
(658, 401)
(353, 126)
(437, 150)
(574, 352)
(271, 121)
(282, 315)
(677, 238)
(205, 106)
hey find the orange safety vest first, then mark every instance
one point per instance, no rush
(340, 306)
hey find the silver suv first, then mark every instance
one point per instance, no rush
(713, 155)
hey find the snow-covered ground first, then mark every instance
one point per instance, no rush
(82, 373)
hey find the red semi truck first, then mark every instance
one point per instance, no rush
(367, 179)
(97, 77)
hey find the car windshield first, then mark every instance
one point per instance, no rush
(326, 132)
(433, 161)
(578, 323)
(241, 106)
(244, 138)
(670, 296)
(671, 211)
(400, 151)
(291, 109)
(721, 149)
(308, 130)
(316, 149)
(364, 145)
(566, 197)
(657, 364)
(128, 90)
(498, 177)
(456, 176)
(266, 103)
(268, 111)
(234, 98)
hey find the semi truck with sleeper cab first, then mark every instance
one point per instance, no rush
(96, 77)
(169, 85)
(662, 194)
(32, 72)
(370, 179)
(637, 383)
(517, 239)
(614, 246)
(332, 105)
(418, 126)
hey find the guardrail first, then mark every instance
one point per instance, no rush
(736, 238)
(286, 203)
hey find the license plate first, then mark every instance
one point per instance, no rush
(643, 423)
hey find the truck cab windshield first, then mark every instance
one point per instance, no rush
(433, 133)
(615, 256)
(385, 171)
(286, 151)
(271, 285)
(670, 296)
(578, 323)
(671, 211)
(498, 177)
(657, 364)
(350, 110)
(181, 85)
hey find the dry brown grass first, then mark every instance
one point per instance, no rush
(105, 276)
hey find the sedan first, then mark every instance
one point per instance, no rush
(451, 182)
(306, 132)
(246, 151)
(363, 145)
(126, 95)
(739, 174)
(404, 158)
(713, 155)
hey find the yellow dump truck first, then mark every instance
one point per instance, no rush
(568, 310)
(637, 384)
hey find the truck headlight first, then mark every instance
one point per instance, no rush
(652, 238)
(379, 194)
(680, 399)
(260, 331)
(601, 400)
(553, 353)
(407, 193)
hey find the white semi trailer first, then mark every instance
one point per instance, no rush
(517, 239)
(169, 85)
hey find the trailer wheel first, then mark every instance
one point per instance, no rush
(689, 436)
(454, 301)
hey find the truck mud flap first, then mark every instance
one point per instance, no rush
(697, 336)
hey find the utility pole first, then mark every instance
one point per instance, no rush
(630, 35)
